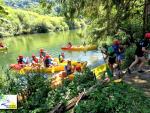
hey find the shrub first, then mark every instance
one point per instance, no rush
(129, 56)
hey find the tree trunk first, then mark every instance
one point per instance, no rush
(146, 17)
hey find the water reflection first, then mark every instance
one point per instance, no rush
(51, 42)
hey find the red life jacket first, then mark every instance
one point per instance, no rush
(20, 61)
(36, 60)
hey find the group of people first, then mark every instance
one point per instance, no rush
(47, 60)
(115, 53)
(44, 58)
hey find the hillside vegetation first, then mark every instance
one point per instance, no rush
(18, 21)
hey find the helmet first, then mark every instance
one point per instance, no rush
(47, 56)
(147, 35)
(116, 42)
(41, 50)
(20, 56)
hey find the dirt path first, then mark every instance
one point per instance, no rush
(141, 81)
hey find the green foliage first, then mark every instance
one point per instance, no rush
(23, 22)
(41, 98)
(114, 98)
(129, 56)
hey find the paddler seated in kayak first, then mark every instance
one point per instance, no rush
(20, 60)
(35, 61)
(61, 57)
(47, 61)
(84, 44)
(69, 45)
(1, 45)
(69, 68)
(42, 53)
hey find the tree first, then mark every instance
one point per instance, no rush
(146, 17)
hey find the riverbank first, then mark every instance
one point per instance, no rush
(16, 22)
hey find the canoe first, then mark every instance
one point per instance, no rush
(57, 81)
(15, 66)
(3, 49)
(19, 67)
(52, 69)
(80, 48)
(59, 77)
(99, 70)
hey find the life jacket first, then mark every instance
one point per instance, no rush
(36, 60)
(42, 54)
(47, 62)
(20, 61)
(61, 58)
(1, 46)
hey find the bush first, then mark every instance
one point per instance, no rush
(114, 98)
(22, 22)
(129, 56)
(41, 28)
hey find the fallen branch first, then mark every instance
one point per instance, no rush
(60, 108)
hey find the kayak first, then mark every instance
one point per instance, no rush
(58, 78)
(19, 67)
(99, 70)
(52, 69)
(57, 81)
(3, 49)
(80, 48)
(15, 66)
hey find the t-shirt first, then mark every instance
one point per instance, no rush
(140, 44)
(116, 49)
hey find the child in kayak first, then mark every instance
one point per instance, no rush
(47, 61)
(69, 45)
(69, 68)
(61, 57)
(1, 45)
(21, 61)
(42, 53)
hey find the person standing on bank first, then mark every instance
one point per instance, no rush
(139, 53)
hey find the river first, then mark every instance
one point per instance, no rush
(52, 42)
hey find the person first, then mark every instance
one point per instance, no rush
(111, 58)
(35, 60)
(69, 68)
(42, 53)
(121, 54)
(104, 50)
(21, 61)
(119, 51)
(84, 44)
(61, 57)
(47, 61)
(69, 45)
(1, 45)
(139, 53)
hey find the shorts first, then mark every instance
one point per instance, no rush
(120, 57)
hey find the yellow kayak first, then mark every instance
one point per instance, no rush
(58, 78)
(99, 70)
(3, 49)
(52, 69)
(80, 48)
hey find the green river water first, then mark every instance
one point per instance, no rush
(51, 42)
